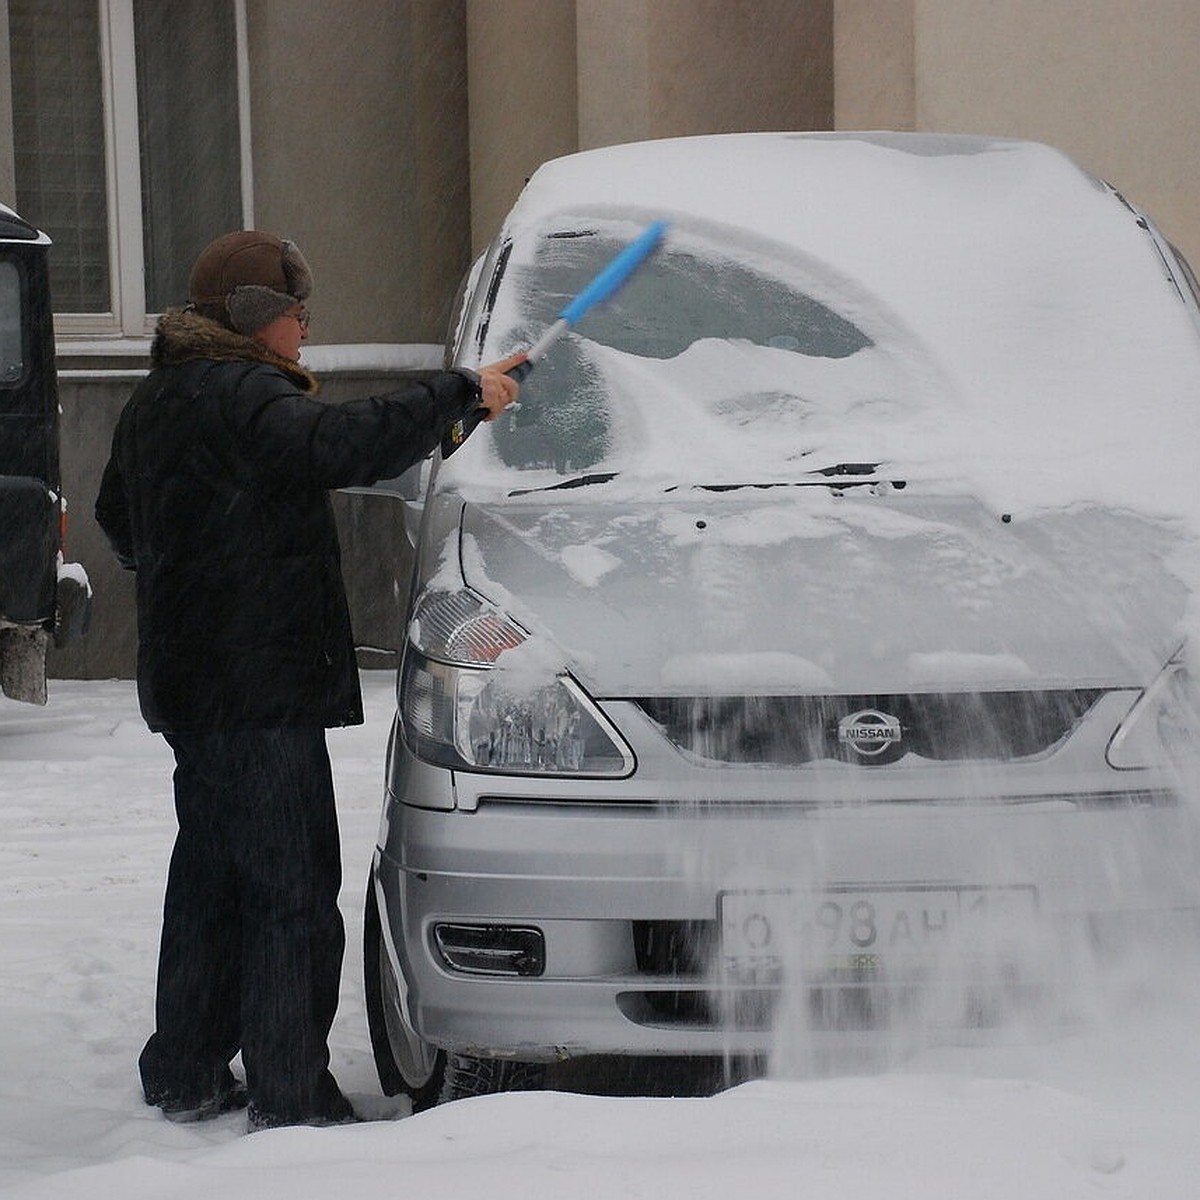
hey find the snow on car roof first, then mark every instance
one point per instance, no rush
(1060, 364)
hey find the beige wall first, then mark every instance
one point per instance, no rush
(1114, 83)
(522, 87)
(614, 72)
(359, 131)
(672, 68)
(552, 76)
(874, 84)
(725, 66)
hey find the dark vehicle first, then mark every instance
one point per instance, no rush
(42, 597)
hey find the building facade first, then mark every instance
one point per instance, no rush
(389, 137)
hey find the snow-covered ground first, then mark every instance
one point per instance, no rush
(1109, 1108)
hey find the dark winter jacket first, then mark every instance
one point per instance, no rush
(216, 494)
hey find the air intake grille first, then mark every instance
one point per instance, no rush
(787, 730)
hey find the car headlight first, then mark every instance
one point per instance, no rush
(475, 695)
(1162, 725)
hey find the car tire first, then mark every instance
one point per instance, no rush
(632, 1075)
(466, 1075)
(404, 1062)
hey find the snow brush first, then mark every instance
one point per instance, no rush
(602, 287)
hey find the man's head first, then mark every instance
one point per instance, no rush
(247, 280)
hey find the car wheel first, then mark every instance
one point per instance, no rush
(404, 1061)
(467, 1076)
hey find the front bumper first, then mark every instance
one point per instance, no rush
(626, 892)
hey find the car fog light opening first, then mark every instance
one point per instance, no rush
(505, 950)
(1163, 726)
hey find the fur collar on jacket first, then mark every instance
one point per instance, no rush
(183, 335)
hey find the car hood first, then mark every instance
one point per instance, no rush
(807, 589)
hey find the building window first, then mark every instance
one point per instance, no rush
(58, 142)
(130, 147)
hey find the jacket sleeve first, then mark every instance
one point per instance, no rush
(112, 512)
(291, 435)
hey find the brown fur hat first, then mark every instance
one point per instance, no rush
(247, 279)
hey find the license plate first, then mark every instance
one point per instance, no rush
(864, 930)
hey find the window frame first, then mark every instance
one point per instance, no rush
(127, 317)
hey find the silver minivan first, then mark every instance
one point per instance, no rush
(805, 655)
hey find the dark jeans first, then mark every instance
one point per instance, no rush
(252, 939)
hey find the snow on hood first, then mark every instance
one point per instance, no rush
(812, 592)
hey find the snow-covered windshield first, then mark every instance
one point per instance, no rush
(769, 353)
(742, 356)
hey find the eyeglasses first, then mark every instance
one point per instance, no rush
(303, 317)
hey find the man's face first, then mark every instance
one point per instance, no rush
(284, 334)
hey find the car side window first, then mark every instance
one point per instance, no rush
(12, 341)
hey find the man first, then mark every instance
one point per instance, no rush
(216, 495)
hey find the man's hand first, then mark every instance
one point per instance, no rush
(496, 390)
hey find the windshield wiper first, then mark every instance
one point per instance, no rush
(578, 482)
(840, 475)
(848, 469)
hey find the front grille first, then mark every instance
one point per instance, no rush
(788, 730)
